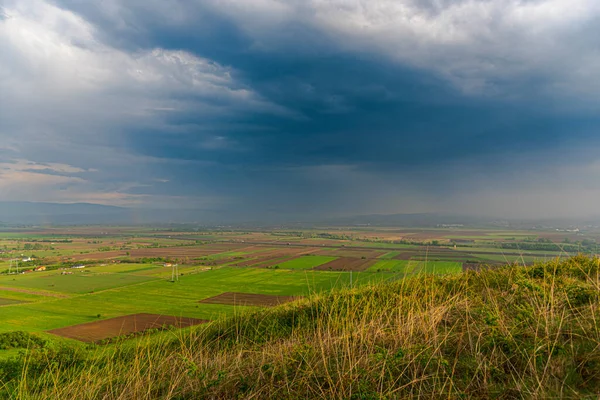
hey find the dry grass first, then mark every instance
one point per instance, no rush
(513, 332)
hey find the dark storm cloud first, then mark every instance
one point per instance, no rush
(328, 106)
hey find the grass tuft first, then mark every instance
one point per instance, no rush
(511, 332)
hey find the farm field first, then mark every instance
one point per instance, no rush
(125, 325)
(8, 302)
(82, 281)
(129, 271)
(415, 267)
(160, 296)
(306, 262)
(402, 266)
(250, 299)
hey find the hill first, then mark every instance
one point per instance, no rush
(511, 332)
(39, 213)
(35, 213)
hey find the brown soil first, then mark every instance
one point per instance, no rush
(471, 266)
(347, 264)
(125, 325)
(99, 256)
(179, 252)
(273, 257)
(350, 252)
(273, 261)
(248, 299)
(358, 253)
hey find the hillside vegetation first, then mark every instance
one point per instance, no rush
(512, 332)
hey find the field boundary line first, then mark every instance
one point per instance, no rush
(35, 292)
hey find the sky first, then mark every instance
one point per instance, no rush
(303, 107)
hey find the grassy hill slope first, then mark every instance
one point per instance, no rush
(513, 332)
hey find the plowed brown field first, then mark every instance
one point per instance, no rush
(352, 253)
(119, 326)
(273, 257)
(347, 264)
(172, 252)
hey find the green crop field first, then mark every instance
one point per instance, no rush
(414, 266)
(228, 254)
(436, 267)
(40, 301)
(161, 296)
(391, 266)
(81, 281)
(306, 262)
(127, 268)
(6, 302)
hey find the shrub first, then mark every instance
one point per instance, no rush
(20, 340)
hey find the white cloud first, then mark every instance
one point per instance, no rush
(481, 46)
(31, 166)
(67, 95)
(22, 179)
(53, 61)
(67, 98)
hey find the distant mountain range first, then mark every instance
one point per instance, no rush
(422, 219)
(32, 213)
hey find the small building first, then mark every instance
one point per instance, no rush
(26, 259)
(167, 265)
(78, 266)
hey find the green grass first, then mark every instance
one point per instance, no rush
(229, 254)
(306, 262)
(391, 266)
(164, 297)
(81, 281)
(140, 269)
(6, 302)
(415, 267)
(512, 332)
(436, 267)
(508, 258)
(20, 297)
(124, 268)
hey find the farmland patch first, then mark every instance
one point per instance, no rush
(273, 257)
(438, 267)
(306, 262)
(347, 264)
(78, 282)
(125, 325)
(248, 299)
(180, 252)
(9, 302)
(405, 255)
(389, 255)
(350, 252)
(390, 266)
(33, 292)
